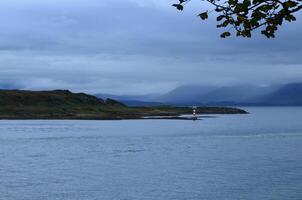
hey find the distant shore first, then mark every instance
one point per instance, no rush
(65, 105)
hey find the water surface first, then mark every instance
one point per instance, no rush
(253, 157)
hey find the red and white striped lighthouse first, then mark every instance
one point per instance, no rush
(194, 111)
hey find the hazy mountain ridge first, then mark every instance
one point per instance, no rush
(283, 95)
(290, 94)
(215, 94)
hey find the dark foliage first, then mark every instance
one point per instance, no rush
(244, 16)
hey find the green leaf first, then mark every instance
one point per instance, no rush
(219, 9)
(246, 3)
(203, 15)
(257, 1)
(265, 8)
(254, 22)
(268, 34)
(242, 7)
(290, 18)
(178, 6)
(219, 18)
(225, 23)
(225, 34)
(239, 7)
(290, 4)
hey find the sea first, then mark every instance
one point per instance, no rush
(257, 156)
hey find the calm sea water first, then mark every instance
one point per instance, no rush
(231, 157)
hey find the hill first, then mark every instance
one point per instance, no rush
(290, 94)
(193, 94)
(59, 98)
(242, 95)
(63, 104)
(57, 104)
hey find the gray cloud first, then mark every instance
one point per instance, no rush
(133, 47)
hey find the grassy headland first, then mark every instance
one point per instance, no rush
(63, 104)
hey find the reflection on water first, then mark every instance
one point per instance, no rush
(256, 156)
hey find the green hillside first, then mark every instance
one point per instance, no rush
(63, 104)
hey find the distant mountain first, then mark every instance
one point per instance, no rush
(186, 94)
(214, 95)
(141, 103)
(288, 94)
(237, 93)
(148, 98)
(133, 100)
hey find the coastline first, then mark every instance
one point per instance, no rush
(183, 116)
(65, 105)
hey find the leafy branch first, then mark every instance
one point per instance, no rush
(245, 16)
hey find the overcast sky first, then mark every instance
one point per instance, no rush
(134, 47)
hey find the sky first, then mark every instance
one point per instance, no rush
(134, 47)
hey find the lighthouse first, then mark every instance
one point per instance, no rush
(194, 108)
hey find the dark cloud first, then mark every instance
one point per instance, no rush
(129, 46)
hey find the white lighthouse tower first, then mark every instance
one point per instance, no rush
(194, 108)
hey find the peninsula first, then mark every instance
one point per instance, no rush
(63, 104)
